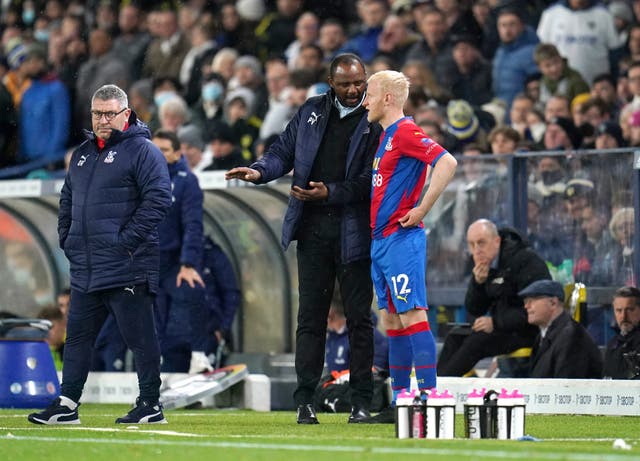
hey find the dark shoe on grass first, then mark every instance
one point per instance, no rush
(358, 414)
(386, 416)
(307, 414)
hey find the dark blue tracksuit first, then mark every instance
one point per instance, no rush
(178, 316)
(110, 206)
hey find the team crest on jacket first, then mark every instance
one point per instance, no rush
(388, 146)
(111, 156)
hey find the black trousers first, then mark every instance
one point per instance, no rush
(461, 352)
(132, 308)
(319, 265)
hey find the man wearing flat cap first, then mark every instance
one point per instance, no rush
(563, 348)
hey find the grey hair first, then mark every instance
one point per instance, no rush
(108, 92)
(489, 226)
(175, 105)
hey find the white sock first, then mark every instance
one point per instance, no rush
(67, 402)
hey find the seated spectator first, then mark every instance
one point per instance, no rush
(513, 61)
(45, 114)
(470, 78)
(238, 113)
(563, 348)
(520, 108)
(619, 261)
(226, 151)
(173, 114)
(609, 136)
(395, 40)
(55, 337)
(192, 147)
(622, 356)
(557, 76)
(364, 42)
(561, 134)
(306, 31)
(463, 123)
(557, 106)
(504, 264)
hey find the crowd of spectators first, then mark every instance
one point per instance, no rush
(487, 76)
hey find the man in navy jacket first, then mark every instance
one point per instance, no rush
(114, 196)
(330, 145)
(181, 296)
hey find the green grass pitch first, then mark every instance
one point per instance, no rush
(238, 435)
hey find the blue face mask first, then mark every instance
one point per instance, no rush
(42, 35)
(28, 16)
(162, 97)
(212, 92)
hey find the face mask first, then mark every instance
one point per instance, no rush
(212, 92)
(28, 16)
(162, 97)
(41, 35)
(551, 177)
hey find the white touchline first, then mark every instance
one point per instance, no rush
(475, 453)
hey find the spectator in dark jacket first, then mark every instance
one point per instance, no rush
(504, 264)
(116, 193)
(471, 76)
(622, 356)
(329, 144)
(563, 348)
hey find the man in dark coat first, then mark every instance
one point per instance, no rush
(114, 196)
(622, 356)
(563, 348)
(330, 145)
(504, 264)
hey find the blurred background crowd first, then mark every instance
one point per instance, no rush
(487, 77)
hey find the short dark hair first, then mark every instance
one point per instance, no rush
(169, 135)
(604, 78)
(344, 58)
(628, 292)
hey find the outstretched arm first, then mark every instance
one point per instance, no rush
(243, 173)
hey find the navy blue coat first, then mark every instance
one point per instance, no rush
(181, 232)
(297, 148)
(110, 206)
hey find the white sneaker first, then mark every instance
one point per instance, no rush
(199, 363)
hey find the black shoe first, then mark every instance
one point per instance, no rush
(386, 416)
(56, 413)
(358, 414)
(307, 414)
(143, 413)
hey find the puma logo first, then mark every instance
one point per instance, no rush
(314, 118)
(402, 298)
(130, 289)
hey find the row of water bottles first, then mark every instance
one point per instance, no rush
(487, 414)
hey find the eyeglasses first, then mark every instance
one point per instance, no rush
(97, 115)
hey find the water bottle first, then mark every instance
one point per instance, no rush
(510, 415)
(440, 415)
(404, 401)
(418, 417)
(472, 409)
